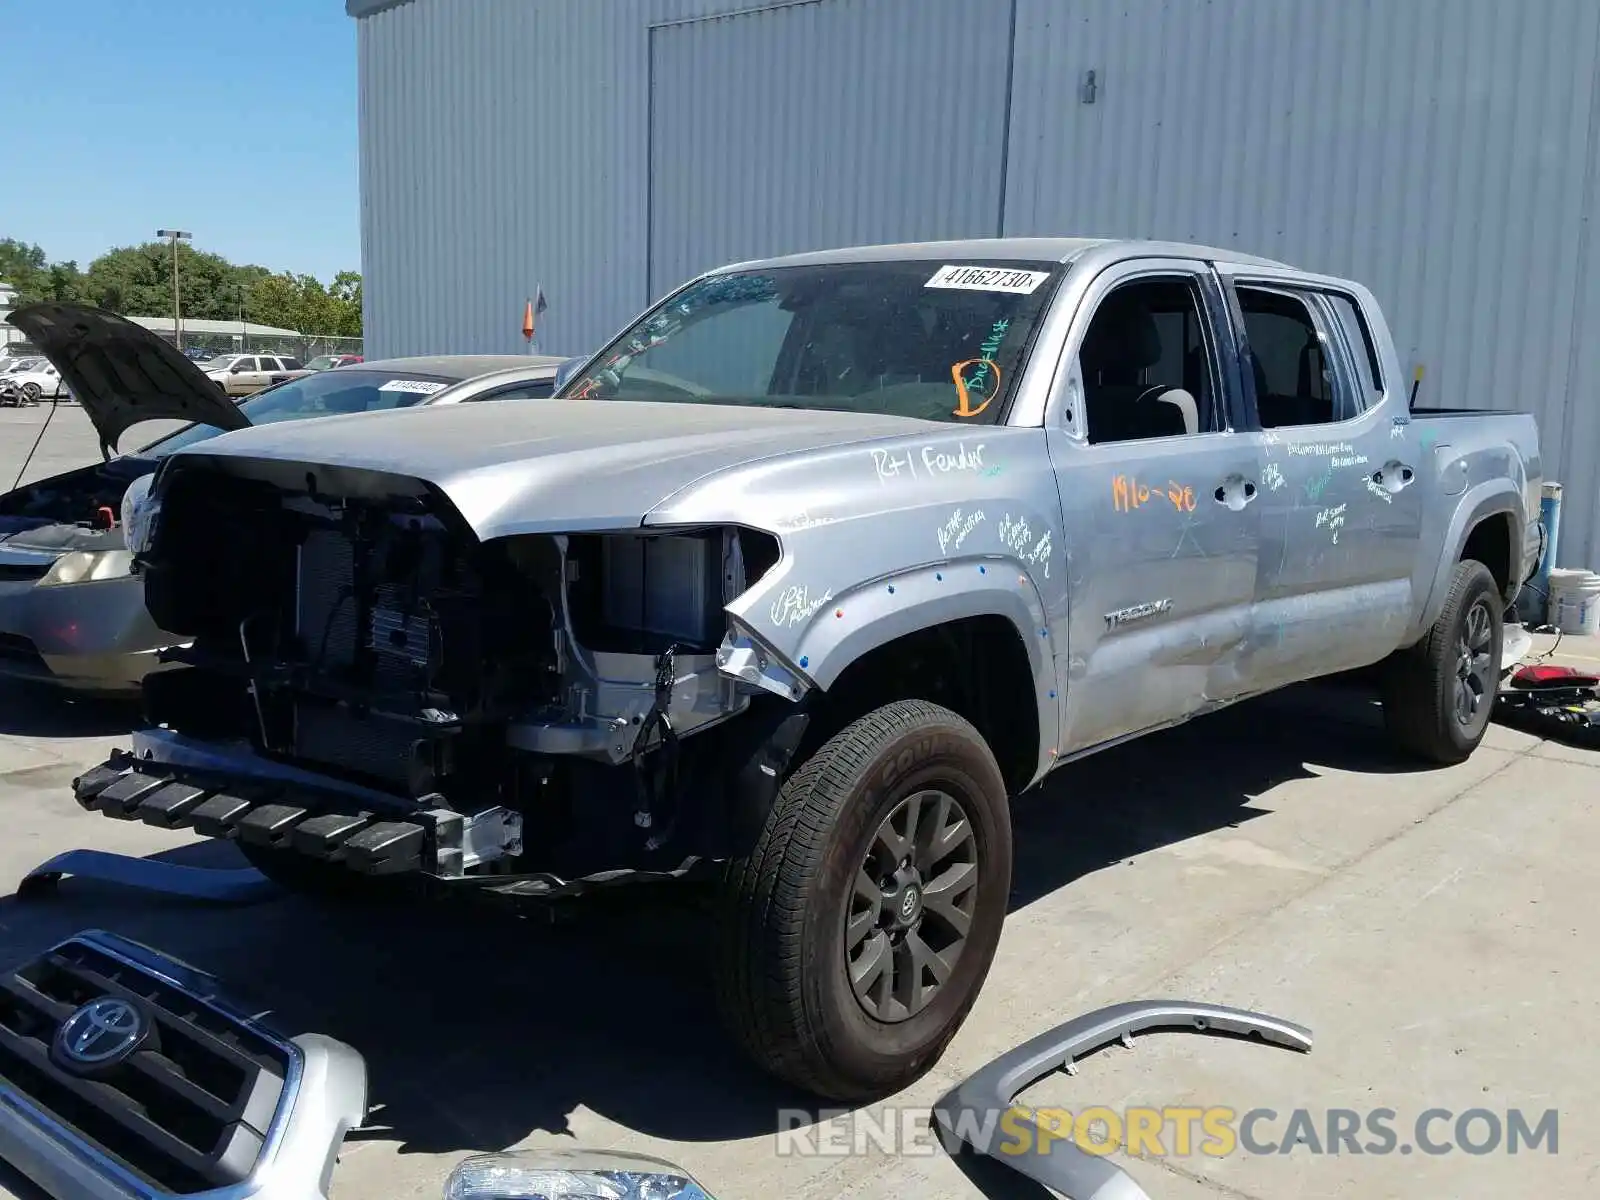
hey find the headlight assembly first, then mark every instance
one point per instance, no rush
(87, 566)
(139, 514)
(570, 1175)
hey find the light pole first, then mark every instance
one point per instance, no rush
(175, 236)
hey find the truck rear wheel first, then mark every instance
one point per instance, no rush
(1438, 695)
(857, 934)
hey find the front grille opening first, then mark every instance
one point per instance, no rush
(26, 1020)
(207, 1029)
(103, 1131)
(171, 1111)
(52, 978)
(168, 1113)
(200, 1065)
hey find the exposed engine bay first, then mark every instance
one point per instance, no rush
(61, 512)
(354, 626)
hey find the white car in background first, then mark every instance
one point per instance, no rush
(71, 611)
(245, 374)
(30, 380)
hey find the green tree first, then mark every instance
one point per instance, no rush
(64, 282)
(345, 293)
(24, 267)
(274, 300)
(137, 280)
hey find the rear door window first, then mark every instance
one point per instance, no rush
(1293, 362)
(1363, 353)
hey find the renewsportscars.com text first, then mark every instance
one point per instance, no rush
(1176, 1131)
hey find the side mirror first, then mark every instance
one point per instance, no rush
(236, 369)
(575, 1174)
(567, 370)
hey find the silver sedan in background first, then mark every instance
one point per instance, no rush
(70, 610)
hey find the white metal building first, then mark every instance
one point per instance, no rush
(1442, 151)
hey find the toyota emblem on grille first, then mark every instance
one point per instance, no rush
(102, 1032)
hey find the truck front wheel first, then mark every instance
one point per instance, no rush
(1438, 695)
(857, 934)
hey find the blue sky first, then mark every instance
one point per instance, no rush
(235, 119)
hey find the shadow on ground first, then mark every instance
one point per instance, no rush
(480, 1027)
(33, 710)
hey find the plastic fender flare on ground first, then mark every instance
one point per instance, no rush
(1063, 1166)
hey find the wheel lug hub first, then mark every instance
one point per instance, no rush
(903, 900)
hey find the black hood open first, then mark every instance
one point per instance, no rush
(122, 373)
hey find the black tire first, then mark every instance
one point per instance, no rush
(784, 983)
(1427, 687)
(31, 393)
(307, 876)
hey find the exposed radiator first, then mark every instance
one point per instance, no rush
(372, 745)
(326, 611)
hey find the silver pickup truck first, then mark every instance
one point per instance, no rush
(799, 580)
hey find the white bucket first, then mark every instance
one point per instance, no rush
(1575, 601)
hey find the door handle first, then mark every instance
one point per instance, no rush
(1393, 476)
(1235, 492)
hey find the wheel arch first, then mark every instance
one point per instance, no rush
(1488, 519)
(880, 635)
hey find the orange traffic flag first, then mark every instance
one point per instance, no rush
(527, 322)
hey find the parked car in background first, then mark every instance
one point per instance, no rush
(70, 612)
(245, 374)
(30, 380)
(198, 353)
(326, 362)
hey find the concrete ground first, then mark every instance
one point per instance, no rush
(1434, 928)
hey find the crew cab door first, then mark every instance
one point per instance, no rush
(1161, 500)
(1341, 507)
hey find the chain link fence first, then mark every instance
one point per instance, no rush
(305, 347)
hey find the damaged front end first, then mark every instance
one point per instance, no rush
(369, 683)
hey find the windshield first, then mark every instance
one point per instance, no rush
(938, 341)
(321, 363)
(24, 364)
(325, 394)
(220, 363)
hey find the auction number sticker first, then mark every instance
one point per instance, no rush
(988, 279)
(422, 387)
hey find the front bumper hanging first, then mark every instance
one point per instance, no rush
(281, 809)
(282, 815)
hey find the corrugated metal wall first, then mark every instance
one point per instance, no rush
(754, 89)
(1442, 151)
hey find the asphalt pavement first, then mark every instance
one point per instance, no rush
(1434, 928)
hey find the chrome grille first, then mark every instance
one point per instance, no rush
(187, 1111)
